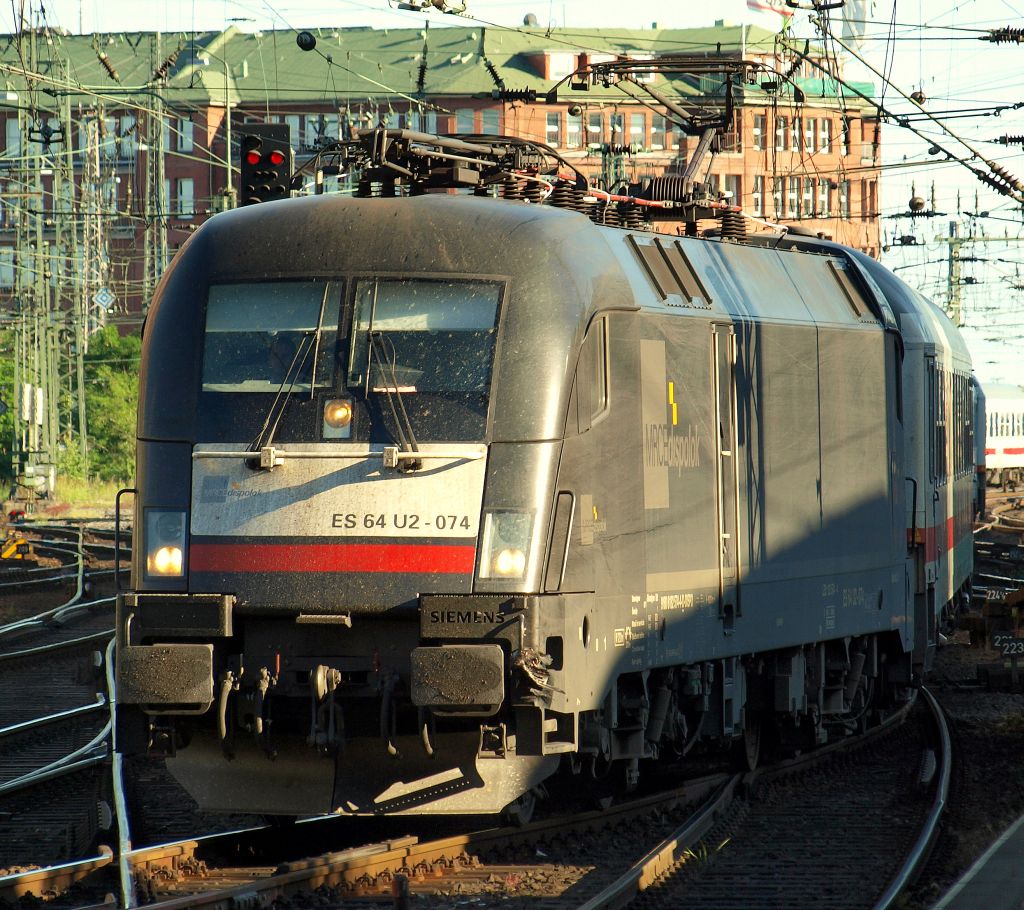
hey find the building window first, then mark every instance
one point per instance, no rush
(574, 131)
(595, 129)
(617, 129)
(638, 130)
(7, 267)
(844, 198)
(732, 139)
(809, 124)
(757, 197)
(185, 189)
(184, 128)
(465, 121)
(553, 130)
(824, 202)
(659, 133)
(733, 189)
(777, 190)
(794, 133)
(294, 122)
(825, 136)
(792, 193)
(808, 197)
(490, 121)
(781, 133)
(759, 127)
(321, 129)
(844, 138)
(128, 137)
(108, 138)
(12, 135)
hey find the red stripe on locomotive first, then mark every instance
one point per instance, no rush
(356, 557)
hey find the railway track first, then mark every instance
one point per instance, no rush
(55, 746)
(594, 860)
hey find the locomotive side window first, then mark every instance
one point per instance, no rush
(261, 335)
(592, 376)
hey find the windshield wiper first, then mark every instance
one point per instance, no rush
(285, 389)
(316, 346)
(406, 436)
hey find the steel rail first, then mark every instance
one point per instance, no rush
(52, 878)
(56, 614)
(61, 770)
(74, 599)
(69, 714)
(919, 852)
(93, 752)
(647, 870)
(103, 635)
(124, 840)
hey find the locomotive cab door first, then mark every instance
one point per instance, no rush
(723, 345)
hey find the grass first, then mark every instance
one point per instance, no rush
(87, 495)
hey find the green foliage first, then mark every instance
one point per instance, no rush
(111, 396)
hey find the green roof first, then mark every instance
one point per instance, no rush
(352, 64)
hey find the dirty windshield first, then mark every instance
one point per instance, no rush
(434, 344)
(260, 335)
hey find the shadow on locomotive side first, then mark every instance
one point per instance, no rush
(530, 494)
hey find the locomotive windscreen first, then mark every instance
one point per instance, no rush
(259, 334)
(432, 342)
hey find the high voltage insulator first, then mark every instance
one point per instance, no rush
(493, 71)
(160, 73)
(1001, 181)
(1011, 140)
(1005, 35)
(529, 95)
(108, 66)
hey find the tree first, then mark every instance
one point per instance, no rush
(111, 397)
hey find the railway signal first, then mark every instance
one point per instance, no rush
(266, 163)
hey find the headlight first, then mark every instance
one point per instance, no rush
(337, 418)
(505, 545)
(165, 543)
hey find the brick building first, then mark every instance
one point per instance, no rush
(139, 141)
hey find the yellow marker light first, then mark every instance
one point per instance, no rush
(672, 401)
(510, 562)
(338, 413)
(165, 561)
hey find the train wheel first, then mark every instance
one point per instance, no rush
(520, 811)
(752, 742)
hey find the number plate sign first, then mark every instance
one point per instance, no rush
(1009, 644)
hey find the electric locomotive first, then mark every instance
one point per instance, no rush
(439, 494)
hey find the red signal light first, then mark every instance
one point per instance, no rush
(252, 157)
(276, 157)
